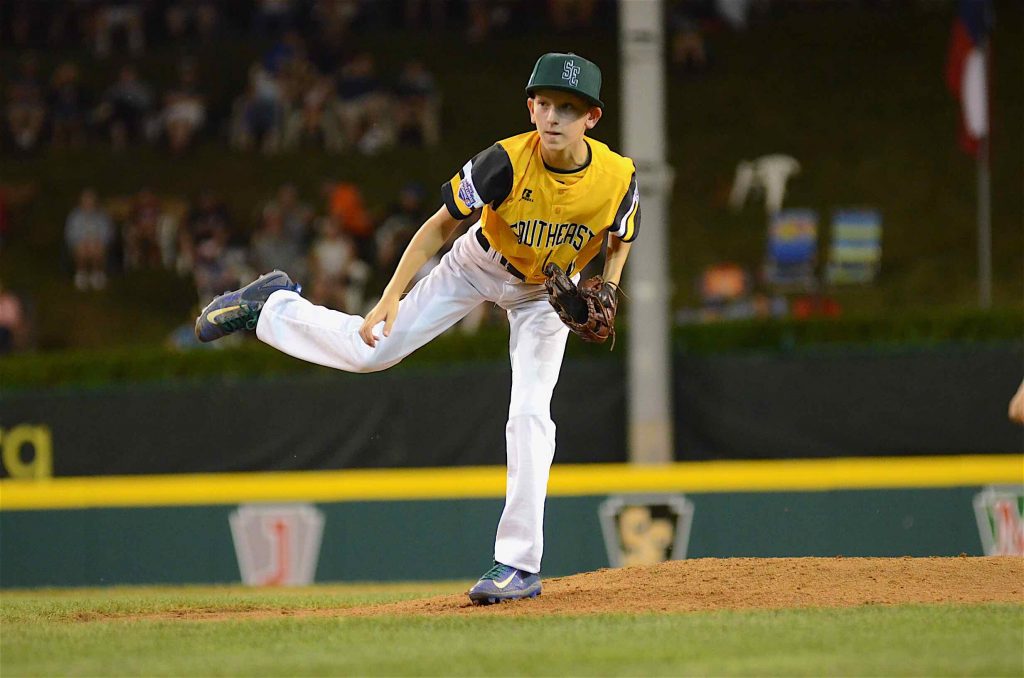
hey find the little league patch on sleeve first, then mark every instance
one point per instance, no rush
(468, 194)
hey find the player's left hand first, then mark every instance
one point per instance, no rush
(386, 310)
(589, 309)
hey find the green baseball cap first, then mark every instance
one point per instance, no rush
(567, 73)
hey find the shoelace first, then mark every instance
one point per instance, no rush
(499, 571)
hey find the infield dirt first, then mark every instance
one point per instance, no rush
(746, 583)
(698, 585)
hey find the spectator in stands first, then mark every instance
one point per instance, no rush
(141, 234)
(11, 196)
(22, 17)
(425, 14)
(687, 51)
(202, 15)
(487, 16)
(336, 17)
(207, 222)
(24, 22)
(289, 48)
(338, 276)
(26, 104)
(345, 204)
(330, 45)
(89, 233)
(363, 106)
(295, 214)
(309, 98)
(126, 107)
(569, 16)
(126, 15)
(14, 328)
(273, 16)
(736, 13)
(66, 22)
(184, 109)
(314, 118)
(418, 106)
(397, 229)
(205, 248)
(259, 112)
(212, 271)
(68, 105)
(272, 248)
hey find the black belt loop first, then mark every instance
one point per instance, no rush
(486, 245)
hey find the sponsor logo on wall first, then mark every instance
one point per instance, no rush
(645, 529)
(26, 452)
(277, 544)
(999, 510)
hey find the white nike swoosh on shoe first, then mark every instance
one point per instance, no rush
(213, 315)
(503, 584)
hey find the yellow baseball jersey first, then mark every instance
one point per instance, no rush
(532, 213)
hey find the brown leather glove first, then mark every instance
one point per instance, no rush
(587, 310)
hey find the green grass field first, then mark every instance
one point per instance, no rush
(146, 631)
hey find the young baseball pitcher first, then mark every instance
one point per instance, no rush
(547, 199)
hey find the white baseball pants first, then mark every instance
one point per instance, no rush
(466, 277)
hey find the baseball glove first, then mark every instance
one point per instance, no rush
(587, 310)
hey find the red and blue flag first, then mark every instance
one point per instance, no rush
(967, 70)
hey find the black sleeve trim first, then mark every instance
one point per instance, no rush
(449, 202)
(626, 204)
(492, 175)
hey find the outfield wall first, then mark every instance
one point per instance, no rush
(826, 403)
(439, 523)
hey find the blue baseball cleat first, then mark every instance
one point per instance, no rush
(504, 582)
(240, 309)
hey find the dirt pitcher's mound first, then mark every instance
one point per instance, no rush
(737, 583)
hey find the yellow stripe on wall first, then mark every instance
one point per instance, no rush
(489, 482)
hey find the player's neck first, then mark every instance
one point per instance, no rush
(569, 158)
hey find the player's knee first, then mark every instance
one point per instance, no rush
(373, 360)
(367, 365)
(535, 412)
(530, 404)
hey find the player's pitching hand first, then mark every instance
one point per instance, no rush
(1017, 405)
(386, 310)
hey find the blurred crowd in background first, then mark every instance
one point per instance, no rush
(106, 77)
(309, 87)
(335, 244)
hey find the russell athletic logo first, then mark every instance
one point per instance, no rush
(277, 545)
(646, 529)
(998, 510)
(570, 73)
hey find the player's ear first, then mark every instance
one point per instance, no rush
(529, 105)
(593, 115)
